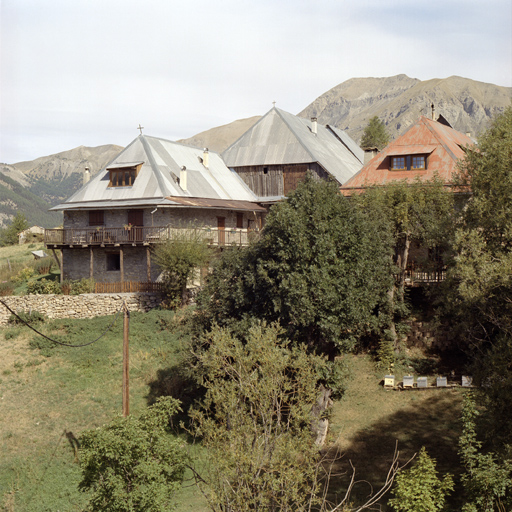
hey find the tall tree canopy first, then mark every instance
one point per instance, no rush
(417, 214)
(375, 135)
(479, 288)
(322, 268)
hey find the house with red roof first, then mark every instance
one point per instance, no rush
(428, 148)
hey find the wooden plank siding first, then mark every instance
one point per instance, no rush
(278, 180)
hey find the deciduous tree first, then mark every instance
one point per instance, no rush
(255, 423)
(321, 269)
(133, 464)
(178, 257)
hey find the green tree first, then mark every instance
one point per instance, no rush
(419, 489)
(478, 292)
(487, 481)
(417, 214)
(179, 257)
(133, 464)
(255, 422)
(375, 135)
(9, 235)
(320, 269)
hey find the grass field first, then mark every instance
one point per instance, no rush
(47, 401)
(49, 396)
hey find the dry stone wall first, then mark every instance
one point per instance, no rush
(87, 305)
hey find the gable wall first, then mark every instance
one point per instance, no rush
(279, 180)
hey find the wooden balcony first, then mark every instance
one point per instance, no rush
(415, 277)
(117, 236)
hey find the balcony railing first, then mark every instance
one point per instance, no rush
(142, 235)
(416, 276)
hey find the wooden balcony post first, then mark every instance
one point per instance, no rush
(148, 262)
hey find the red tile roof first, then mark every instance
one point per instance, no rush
(442, 145)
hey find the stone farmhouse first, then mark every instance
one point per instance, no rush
(428, 148)
(152, 190)
(275, 154)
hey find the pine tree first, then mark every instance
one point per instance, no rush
(375, 135)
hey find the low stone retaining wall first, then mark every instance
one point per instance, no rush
(87, 305)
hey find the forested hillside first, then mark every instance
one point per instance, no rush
(15, 198)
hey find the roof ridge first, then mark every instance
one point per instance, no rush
(293, 131)
(438, 137)
(154, 166)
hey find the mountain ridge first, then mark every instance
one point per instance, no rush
(468, 105)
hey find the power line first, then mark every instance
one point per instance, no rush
(60, 342)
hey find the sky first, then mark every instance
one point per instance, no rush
(87, 72)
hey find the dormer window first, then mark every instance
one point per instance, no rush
(418, 162)
(414, 162)
(398, 163)
(123, 174)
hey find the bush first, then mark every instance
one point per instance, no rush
(43, 287)
(31, 318)
(419, 489)
(44, 265)
(132, 464)
(23, 275)
(77, 287)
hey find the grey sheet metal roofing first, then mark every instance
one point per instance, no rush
(282, 138)
(158, 178)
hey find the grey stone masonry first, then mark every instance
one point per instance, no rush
(87, 305)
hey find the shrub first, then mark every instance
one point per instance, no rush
(81, 286)
(43, 287)
(32, 317)
(132, 464)
(44, 265)
(23, 275)
(419, 489)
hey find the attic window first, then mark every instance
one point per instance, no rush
(398, 163)
(418, 162)
(123, 175)
(413, 162)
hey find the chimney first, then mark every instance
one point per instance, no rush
(433, 112)
(87, 175)
(183, 177)
(468, 134)
(205, 157)
(314, 125)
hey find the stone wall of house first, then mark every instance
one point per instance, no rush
(88, 305)
(77, 262)
(174, 217)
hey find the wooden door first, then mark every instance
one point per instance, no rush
(136, 220)
(221, 225)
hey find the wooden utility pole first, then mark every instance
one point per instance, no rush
(126, 384)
